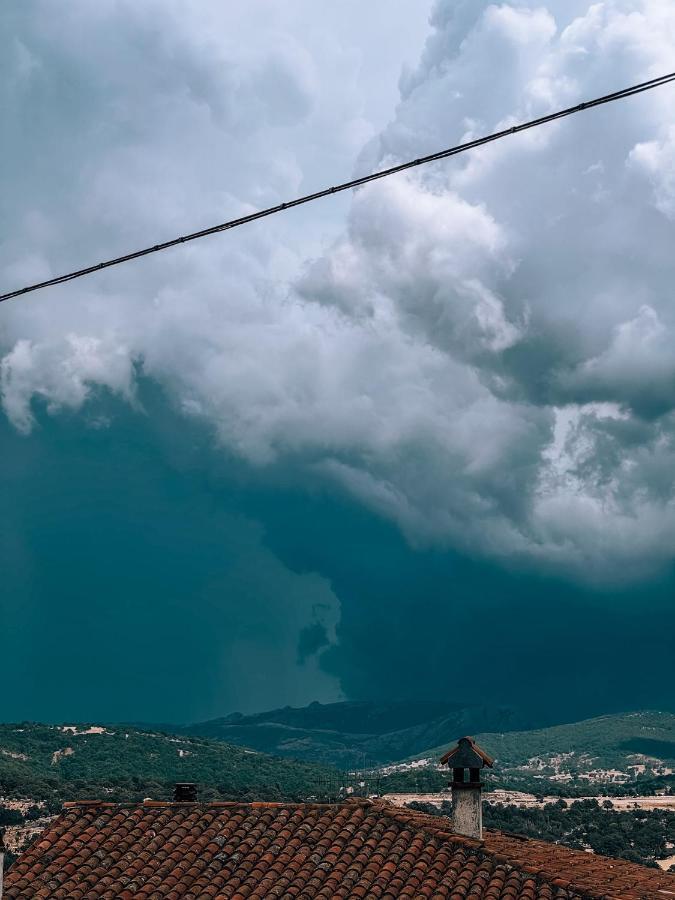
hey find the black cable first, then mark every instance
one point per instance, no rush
(345, 186)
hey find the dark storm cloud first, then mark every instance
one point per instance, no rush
(145, 576)
(440, 625)
(130, 592)
(440, 429)
(312, 639)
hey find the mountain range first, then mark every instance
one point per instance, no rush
(355, 734)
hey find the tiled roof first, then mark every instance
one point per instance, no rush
(357, 849)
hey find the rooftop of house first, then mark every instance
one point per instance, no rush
(359, 848)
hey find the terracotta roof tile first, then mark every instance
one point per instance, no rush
(186, 851)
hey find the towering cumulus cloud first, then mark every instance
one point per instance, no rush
(485, 354)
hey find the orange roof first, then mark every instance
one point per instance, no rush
(358, 849)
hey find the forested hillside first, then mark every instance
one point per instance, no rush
(606, 741)
(620, 753)
(55, 763)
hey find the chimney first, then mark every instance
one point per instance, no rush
(466, 761)
(185, 792)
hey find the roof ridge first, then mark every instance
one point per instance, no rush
(248, 804)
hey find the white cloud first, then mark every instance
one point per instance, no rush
(656, 160)
(483, 353)
(62, 374)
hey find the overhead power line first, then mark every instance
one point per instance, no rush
(347, 185)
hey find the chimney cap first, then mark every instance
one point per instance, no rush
(467, 755)
(185, 792)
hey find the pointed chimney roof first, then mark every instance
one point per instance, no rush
(467, 755)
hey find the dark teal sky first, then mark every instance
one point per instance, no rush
(146, 577)
(133, 583)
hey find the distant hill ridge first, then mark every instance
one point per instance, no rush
(623, 752)
(607, 739)
(355, 733)
(64, 762)
(121, 762)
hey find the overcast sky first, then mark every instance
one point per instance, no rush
(432, 420)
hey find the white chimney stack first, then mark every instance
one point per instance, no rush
(467, 759)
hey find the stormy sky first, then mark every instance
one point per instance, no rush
(418, 441)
